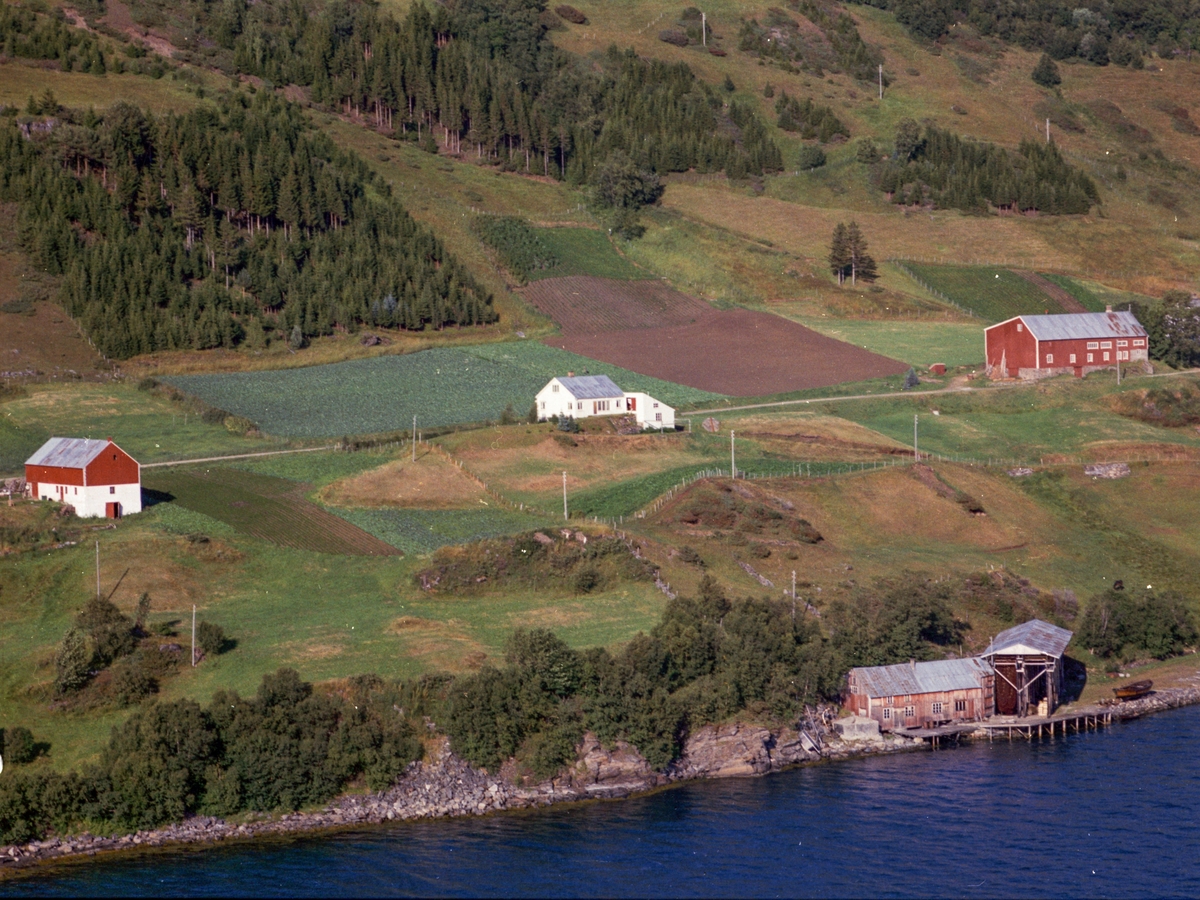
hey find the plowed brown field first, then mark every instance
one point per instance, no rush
(738, 352)
(582, 304)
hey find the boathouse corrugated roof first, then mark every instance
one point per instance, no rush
(921, 678)
(1030, 638)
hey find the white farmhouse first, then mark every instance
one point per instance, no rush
(584, 396)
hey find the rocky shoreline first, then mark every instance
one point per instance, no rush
(445, 785)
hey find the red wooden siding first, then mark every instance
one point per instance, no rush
(112, 466)
(1011, 341)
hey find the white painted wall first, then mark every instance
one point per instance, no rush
(91, 502)
(651, 413)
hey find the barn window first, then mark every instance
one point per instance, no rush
(960, 705)
(1106, 345)
(1122, 354)
(887, 713)
(1106, 355)
(937, 708)
(1122, 343)
(1139, 343)
(1072, 359)
(1049, 357)
(1091, 357)
(1093, 345)
(112, 489)
(909, 712)
(1020, 327)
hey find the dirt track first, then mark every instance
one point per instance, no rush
(739, 353)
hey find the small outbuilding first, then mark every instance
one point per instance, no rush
(1028, 662)
(585, 396)
(96, 477)
(921, 694)
(1073, 343)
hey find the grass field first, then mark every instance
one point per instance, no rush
(919, 343)
(262, 506)
(585, 251)
(992, 294)
(147, 426)
(424, 530)
(443, 386)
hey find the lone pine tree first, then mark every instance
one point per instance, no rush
(848, 254)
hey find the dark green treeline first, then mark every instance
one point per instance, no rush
(212, 228)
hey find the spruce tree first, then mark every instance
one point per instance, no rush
(862, 265)
(1045, 73)
(839, 252)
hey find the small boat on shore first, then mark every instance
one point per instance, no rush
(1133, 691)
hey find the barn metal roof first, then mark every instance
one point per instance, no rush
(922, 678)
(1034, 636)
(1084, 326)
(591, 387)
(67, 453)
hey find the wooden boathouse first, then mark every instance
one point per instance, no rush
(1028, 663)
(922, 694)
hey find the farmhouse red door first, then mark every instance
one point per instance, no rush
(631, 404)
(112, 510)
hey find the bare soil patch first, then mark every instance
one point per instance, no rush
(583, 304)
(432, 482)
(739, 353)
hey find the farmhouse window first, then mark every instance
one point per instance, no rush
(887, 713)
(579, 405)
(1106, 355)
(1139, 343)
(111, 489)
(554, 388)
(1093, 345)
(1049, 358)
(656, 406)
(1106, 345)
(1072, 359)
(1122, 343)
(543, 404)
(658, 417)
(960, 705)
(937, 708)
(909, 712)
(1091, 357)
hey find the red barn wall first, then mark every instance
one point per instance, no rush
(1016, 347)
(53, 475)
(112, 466)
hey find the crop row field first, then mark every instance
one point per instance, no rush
(584, 251)
(442, 386)
(418, 531)
(261, 506)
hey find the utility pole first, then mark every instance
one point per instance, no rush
(1118, 369)
(193, 635)
(732, 458)
(565, 517)
(916, 452)
(97, 570)
(704, 29)
(414, 440)
(1047, 131)
(881, 81)
(793, 595)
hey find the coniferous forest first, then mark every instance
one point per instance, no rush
(204, 230)
(940, 168)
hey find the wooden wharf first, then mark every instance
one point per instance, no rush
(1010, 727)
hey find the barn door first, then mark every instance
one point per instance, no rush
(112, 510)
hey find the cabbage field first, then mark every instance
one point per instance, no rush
(443, 386)
(425, 530)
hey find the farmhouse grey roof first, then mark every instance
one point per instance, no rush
(67, 453)
(1034, 636)
(922, 678)
(1084, 326)
(591, 387)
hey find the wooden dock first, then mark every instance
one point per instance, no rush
(1010, 727)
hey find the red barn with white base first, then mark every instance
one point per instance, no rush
(1070, 344)
(98, 478)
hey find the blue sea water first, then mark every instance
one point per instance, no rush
(1108, 814)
